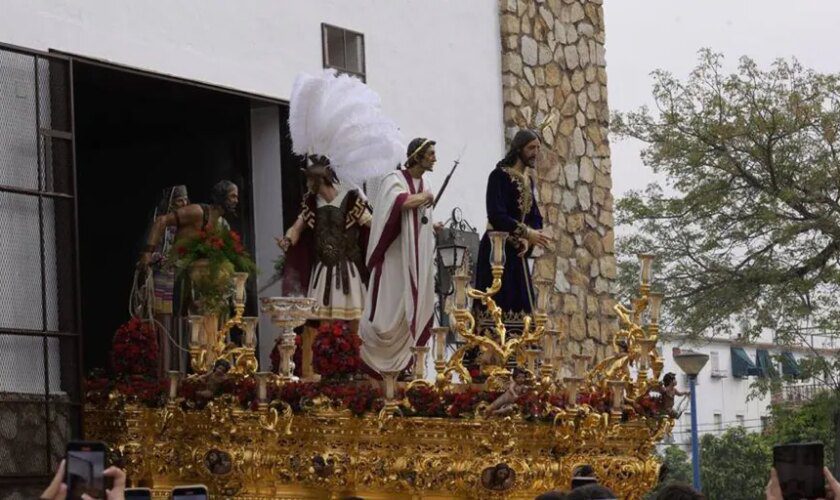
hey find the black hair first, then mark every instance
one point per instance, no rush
(590, 492)
(222, 362)
(668, 378)
(220, 192)
(552, 495)
(584, 470)
(520, 140)
(415, 151)
(678, 491)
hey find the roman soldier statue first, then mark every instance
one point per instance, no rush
(337, 125)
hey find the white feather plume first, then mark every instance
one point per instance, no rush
(341, 118)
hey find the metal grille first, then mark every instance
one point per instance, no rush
(40, 394)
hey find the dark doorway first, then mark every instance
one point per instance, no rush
(136, 135)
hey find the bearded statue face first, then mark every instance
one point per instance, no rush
(232, 200)
(428, 159)
(528, 153)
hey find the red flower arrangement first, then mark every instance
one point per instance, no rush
(216, 244)
(598, 400)
(135, 349)
(358, 398)
(335, 352)
(146, 390)
(649, 405)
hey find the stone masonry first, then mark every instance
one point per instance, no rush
(553, 69)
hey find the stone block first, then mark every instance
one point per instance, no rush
(592, 242)
(577, 327)
(584, 198)
(608, 269)
(608, 241)
(571, 55)
(569, 200)
(529, 51)
(583, 53)
(577, 13)
(603, 180)
(572, 174)
(565, 246)
(509, 24)
(593, 329)
(606, 218)
(552, 74)
(578, 80)
(574, 222)
(578, 142)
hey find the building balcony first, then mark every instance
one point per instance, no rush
(797, 394)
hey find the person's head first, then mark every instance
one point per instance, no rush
(178, 198)
(421, 154)
(319, 173)
(226, 195)
(669, 380)
(591, 492)
(503, 472)
(678, 491)
(520, 376)
(221, 367)
(523, 148)
(552, 495)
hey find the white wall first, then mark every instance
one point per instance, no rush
(435, 63)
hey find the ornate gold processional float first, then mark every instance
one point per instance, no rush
(260, 434)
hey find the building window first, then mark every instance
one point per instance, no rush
(718, 420)
(740, 420)
(713, 357)
(343, 50)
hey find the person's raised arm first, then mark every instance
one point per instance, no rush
(292, 235)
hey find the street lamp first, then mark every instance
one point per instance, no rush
(455, 241)
(691, 363)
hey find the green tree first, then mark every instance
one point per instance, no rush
(675, 460)
(810, 422)
(746, 224)
(734, 465)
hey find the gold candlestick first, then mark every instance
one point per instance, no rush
(174, 378)
(262, 388)
(420, 353)
(572, 388)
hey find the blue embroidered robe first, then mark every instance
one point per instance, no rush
(511, 207)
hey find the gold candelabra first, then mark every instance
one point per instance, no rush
(209, 343)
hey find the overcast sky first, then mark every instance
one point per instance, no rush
(643, 35)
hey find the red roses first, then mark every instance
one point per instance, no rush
(135, 349)
(335, 351)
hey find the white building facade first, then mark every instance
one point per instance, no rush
(725, 396)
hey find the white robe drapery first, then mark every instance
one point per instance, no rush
(400, 302)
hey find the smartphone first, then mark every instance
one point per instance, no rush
(800, 470)
(138, 494)
(194, 492)
(85, 463)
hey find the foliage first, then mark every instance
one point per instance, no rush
(735, 465)
(745, 226)
(216, 244)
(677, 466)
(222, 249)
(812, 421)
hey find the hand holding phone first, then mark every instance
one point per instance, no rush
(84, 469)
(798, 471)
(194, 492)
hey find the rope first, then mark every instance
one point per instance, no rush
(144, 300)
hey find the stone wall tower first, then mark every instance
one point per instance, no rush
(553, 66)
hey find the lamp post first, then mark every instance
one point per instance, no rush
(691, 363)
(453, 242)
